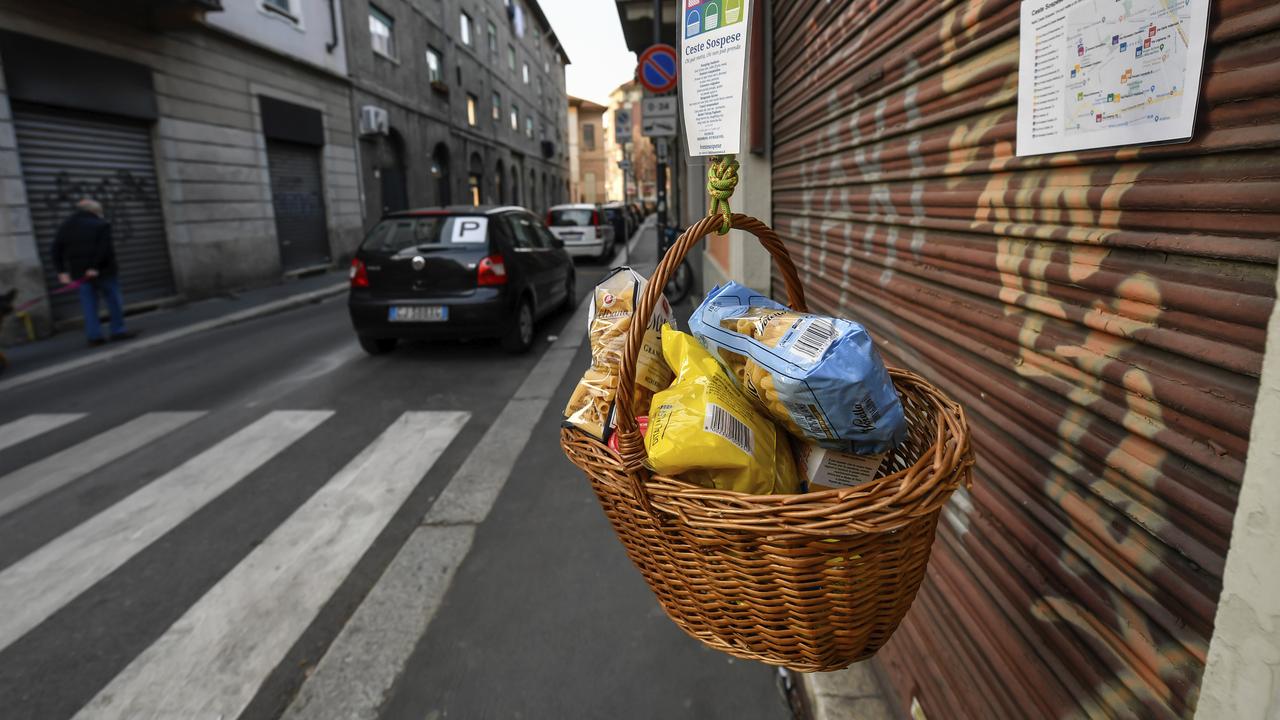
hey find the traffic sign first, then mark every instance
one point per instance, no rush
(622, 125)
(657, 69)
(624, 164)
(658, 126)
(664, 106)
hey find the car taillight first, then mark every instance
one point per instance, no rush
(491, 271)
(595, 217)
(359, 276)
(548, 219)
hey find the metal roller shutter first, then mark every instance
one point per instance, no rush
(298, 200)
(66, 156)
(1100, 314)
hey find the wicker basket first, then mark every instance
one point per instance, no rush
(810, 582)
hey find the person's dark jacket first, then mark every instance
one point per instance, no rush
(84, 242)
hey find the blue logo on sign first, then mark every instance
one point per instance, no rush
(692, 23)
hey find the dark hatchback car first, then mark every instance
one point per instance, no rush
(458, 272)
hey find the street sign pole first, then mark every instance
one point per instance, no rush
(626, 168)
(660, 177)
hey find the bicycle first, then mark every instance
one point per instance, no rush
(682, 280)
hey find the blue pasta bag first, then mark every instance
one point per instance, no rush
(820, 377)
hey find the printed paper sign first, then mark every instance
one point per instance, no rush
(713, 54)
(469, 229)
(1100, 73)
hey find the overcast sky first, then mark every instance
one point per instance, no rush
(592, 36)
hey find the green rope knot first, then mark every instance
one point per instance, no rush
(722, 179)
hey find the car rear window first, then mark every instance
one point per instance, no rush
(577, 216)
(396, 234)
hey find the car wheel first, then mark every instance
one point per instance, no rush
(570, 293)
(519, 335)
(377, 346)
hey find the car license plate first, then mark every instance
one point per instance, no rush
(418, 313)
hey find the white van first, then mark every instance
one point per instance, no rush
(584, 228)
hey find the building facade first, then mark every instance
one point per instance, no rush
(638, 180)
(457, 103)
(202, 130)
(589, 154)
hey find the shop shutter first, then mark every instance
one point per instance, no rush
(298, 201)
(67, 155)
(1101, 315)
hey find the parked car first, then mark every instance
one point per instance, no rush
(618, 218)
(584, 228)
(457, 272)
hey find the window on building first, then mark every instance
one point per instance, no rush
(380, 32)
(471, 109)
(589, 136)
(465, 29)
(458, 72)
(515, 118)
(546, 67)
(493, 38)
(511, 58)
(497, 107)
(540, 87)
(473, 184)
(524, 72)
(434, 73)
(528, 127)
(283, 7)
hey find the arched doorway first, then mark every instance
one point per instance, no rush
(546, 192)
(440, 174)
(533, 189)
(499, 184)
(475, 171)
(391, 172)
(515, 185)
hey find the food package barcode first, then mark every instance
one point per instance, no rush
(816, 338)
(723, 423)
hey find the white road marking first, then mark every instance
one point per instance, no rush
(40, 584)
(358, 670)
(211, 662)
(44, 476)
(24, 429)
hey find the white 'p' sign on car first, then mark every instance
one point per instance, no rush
(469, 229)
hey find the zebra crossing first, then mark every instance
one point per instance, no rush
(212, 660)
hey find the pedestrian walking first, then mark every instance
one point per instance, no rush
(83, 252)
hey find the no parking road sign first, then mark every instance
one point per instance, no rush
(657, 70)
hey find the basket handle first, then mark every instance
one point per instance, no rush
(630, 444)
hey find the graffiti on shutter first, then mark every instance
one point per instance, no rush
(1100, 314)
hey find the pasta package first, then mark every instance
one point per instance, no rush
(591, 407)
(820, 377)
(704, 430)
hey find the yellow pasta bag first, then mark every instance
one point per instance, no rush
(591, 405)
(706, 431)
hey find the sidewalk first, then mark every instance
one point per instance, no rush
(855, 693)
(67, 350)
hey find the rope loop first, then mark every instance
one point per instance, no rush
(722, 179)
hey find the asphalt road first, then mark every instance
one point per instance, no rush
(204, 518)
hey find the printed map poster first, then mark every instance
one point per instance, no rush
(713, 56)
(1100, 73)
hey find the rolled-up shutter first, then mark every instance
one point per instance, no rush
(1100, 314)
(67, 155)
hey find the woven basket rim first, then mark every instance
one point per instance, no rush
(883, 504)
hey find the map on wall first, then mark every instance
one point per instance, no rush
(1101, 73)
